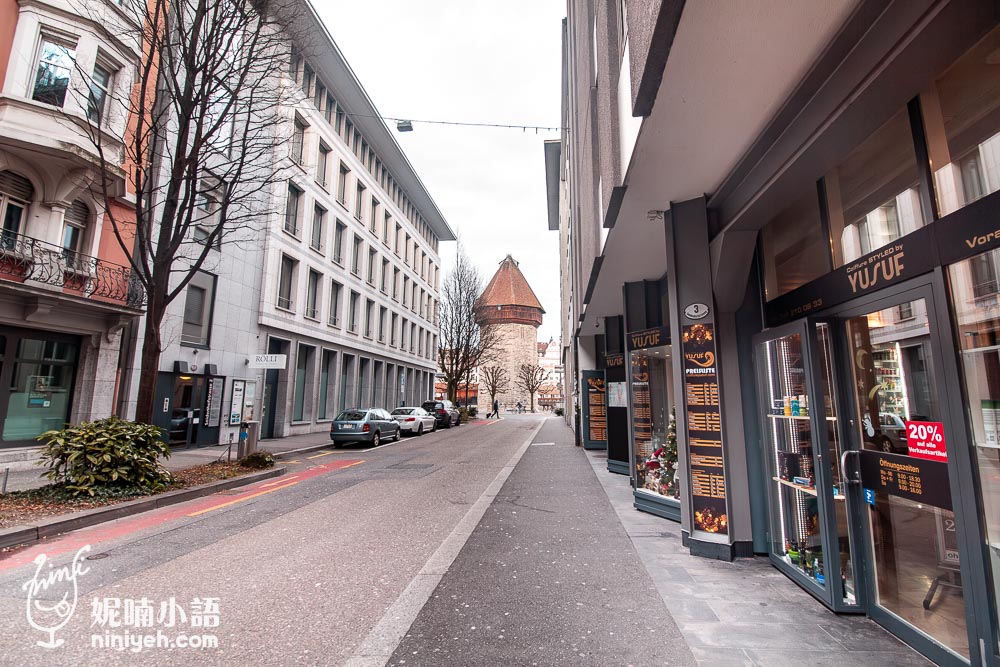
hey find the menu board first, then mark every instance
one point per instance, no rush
(595, 411)
(704, 429)
(642, 409)
(213, 402)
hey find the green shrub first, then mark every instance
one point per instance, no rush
(473, 410)
(258, 460)
(463, 415)
(559, 412)
(106, 457)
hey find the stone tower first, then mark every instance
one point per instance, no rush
(509, 303)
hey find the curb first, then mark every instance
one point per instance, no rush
(23, 535)
(301, 450)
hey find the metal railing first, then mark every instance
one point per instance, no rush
(23, 258)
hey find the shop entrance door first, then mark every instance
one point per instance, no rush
(185, 417)
(898, 436)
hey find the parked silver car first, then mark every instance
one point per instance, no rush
(370, 425)
(415, 420)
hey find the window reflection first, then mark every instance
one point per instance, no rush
(962, 118)
(873, 196)
(976, 304)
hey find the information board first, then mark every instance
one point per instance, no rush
(595, 412)
(704, 429)
(236, 403)
(920, 480)
(213, 402)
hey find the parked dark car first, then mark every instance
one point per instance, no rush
(444, 411)
(363, 425)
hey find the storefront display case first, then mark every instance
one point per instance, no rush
(810, 534)
(654, 435)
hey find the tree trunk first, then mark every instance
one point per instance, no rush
(532, 401)
(149, 368)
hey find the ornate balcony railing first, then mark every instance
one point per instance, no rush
(24, 259)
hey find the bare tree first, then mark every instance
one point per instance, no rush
(530, 377)
(496, 380)
(463, 343)
(201, 149)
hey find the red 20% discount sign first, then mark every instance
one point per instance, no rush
(925, 440)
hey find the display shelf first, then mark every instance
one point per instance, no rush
(799, 417)
(811, 490)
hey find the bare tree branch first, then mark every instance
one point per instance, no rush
(496, 380)
(530, 378)
(463, 344)
(204, 150)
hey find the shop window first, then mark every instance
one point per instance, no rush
(199, 299)
(873, 196)
(977, 320)
(961, 113)
(794, 247)
(654, 430)
(303, 382)
(327, 373)
(40, 388)
(55, 62)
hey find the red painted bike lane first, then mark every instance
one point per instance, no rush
(94, 535)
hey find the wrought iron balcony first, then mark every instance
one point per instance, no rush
(24, 259)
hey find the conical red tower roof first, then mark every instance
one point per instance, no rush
(509, 299)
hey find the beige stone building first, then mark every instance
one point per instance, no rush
(509, 302)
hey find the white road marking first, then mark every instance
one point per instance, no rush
(381, 642)
(541, 444)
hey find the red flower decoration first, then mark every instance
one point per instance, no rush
(652, 464)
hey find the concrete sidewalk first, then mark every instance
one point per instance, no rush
(25, 477)
(745, 612)
(562, 570)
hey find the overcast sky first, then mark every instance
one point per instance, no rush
(478, 61)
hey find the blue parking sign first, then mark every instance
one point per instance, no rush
(870, 496)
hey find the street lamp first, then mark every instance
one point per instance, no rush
(404, 126)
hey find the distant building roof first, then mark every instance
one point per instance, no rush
(509, 288)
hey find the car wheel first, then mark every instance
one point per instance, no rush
(420, 429)
(434, 426)
(375, 440)
(447, 422)
(886, 445)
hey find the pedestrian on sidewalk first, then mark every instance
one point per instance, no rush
(496, 409)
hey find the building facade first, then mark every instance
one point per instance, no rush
(339, 283)
(66, 290)
(801, 286)
(509, 305)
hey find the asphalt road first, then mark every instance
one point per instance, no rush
(360, 557)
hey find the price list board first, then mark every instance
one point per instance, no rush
(595, 410)
(642, 409)
(704, 429)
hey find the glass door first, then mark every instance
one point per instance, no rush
(898, 434)
(793, 444)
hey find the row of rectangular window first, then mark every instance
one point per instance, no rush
(353, 391)
(425, 306)
(337, 118)
(421, 341)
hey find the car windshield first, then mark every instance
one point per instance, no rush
(351, 416)
(403, 411)
(433, 406)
